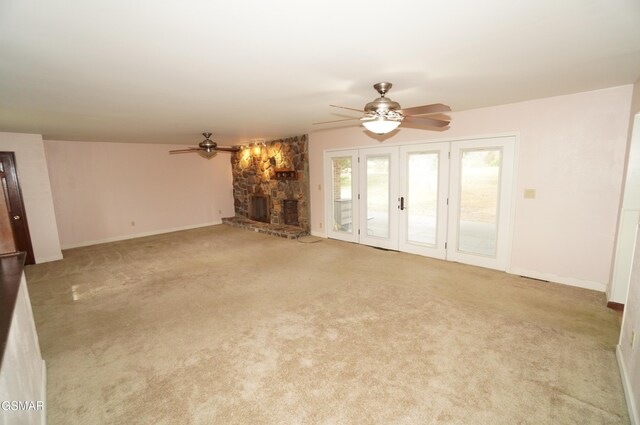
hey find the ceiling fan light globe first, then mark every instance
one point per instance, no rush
(209, 153)
(381, 126)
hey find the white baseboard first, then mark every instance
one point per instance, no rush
(140, 235)
(43, 393)
(41, 260)
(586, 284)
(628, 389)
(318, 234)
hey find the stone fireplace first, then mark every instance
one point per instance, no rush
(271, 185)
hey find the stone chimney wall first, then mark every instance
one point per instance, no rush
(254, 173)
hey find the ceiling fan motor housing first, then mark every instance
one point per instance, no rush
(382, 106)
(207, 144)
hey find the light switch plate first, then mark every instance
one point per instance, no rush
(529, 194)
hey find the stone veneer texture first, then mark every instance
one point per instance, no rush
(254, 170)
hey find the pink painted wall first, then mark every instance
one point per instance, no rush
(571, 150)
(99, 189)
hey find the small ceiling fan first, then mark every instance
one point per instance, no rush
(207, 148)
(383, 115)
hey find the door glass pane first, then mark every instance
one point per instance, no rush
(479, 199)
(342, 200)
(422, 197)
(378, 196)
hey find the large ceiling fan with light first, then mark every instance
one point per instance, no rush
(207, 148)
(383, 115)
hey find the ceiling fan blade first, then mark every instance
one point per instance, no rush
(426, 109)
(327, 122)
(441, 117)
(429, 121)
(185, 150)
(344, 107)
(227, 148)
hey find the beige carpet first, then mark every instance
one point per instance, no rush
(225, 326)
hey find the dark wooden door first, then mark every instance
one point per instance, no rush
(14, 229)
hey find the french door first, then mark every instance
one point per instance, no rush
(378, 196)
(479, 216)
(424, 188)
(444, 200)
(341, 195)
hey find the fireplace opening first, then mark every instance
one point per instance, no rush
(259, 208)
(290, 212)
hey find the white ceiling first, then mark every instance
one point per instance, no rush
(164, 71)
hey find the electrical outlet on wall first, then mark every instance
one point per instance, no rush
(133, 224)
(321, 225)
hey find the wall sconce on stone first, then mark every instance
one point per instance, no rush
(258, 146)
(245, 156)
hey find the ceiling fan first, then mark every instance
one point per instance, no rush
(207, 148)
(383, 115)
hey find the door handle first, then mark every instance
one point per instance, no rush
(401, 203)
(16, 217)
